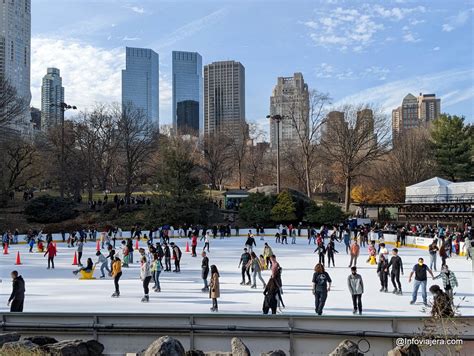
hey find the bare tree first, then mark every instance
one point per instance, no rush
(306, 118)
(11, 105)
(17, 159)
(216, 158)
(410, 161)
(239, 146)
(138, 139)
(353, 138)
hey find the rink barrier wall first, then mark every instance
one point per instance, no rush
(390, 239)
(296, 335)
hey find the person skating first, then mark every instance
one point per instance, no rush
(80, 247)
(356, 288)
(125, 254)
(372, 254)
(256, 267)
(116, 274)
(443, 254)
(267, 254)
(111, 256)
(382, 271)
(51, 252)
(420, 271)
(272, 295)
(103, 264)
(130, 250)
(449, 281)
(396, 264)
(194, 242)
(250, 242)
(321, 251)
(145, 276)
(177, 257)
(284, 236)
(347, 240)
(204, 271)
(331, 250)
(206, 242)
(214, 288)
(167, 254)
(156, 269)
(442, 304)
(321, 286)
(355, 250)
(88, 268)
(17, 297)
(433, 251)
(244, 260)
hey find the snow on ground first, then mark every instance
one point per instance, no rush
(59, 290)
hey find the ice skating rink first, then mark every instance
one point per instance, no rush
(58, 290)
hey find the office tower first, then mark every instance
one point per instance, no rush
(365, 124)
(290, 99)
(52, 95)
(187, 92)
(224, 97)
(15, 47)
(429, 107)
(405, 116)
(140, 82)
(414, 112)
(35, 118)
(332, 124)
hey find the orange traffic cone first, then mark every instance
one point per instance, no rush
(136, 245)
(74, 261)
(97, 247)
(187, 246)
(18, 261)
(5, 249)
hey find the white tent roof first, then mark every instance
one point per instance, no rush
(433, 182)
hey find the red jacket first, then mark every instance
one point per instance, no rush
(194, 241)
(51, 250)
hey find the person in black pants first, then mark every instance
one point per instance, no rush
(321, 287)
(382, 270)
(271, 293)
(167, 254)
(17, 297)
(116, 274)
(356, 287)
(397, 267)
(177, 257)
(244, 260)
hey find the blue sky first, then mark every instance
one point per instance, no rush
(357, 51)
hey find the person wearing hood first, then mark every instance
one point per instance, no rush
(442, 307)
(17, 297)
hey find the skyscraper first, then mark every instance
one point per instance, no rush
(140, 82)
(15, 47)
(224, 97)
(187, 92)
(414, 112)
(290, 99)
(429, 107)
(52, 95)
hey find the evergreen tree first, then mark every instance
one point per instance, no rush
(325, 214)
(453, 147)
(256, 209)
(284, 209)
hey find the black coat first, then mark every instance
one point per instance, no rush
(18, 292)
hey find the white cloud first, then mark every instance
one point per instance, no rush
(90, 74)
(458, 20)
(325, 70)
(436, 48)
(126, 38)
(136, 9)
(390, 95)
(356, 28)
(410, 37)
(191, 28)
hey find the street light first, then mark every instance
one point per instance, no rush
(277, 118)
(63, 107)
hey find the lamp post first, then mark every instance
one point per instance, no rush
(63, 107)
(277, 119)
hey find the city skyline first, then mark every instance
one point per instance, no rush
(312, 38)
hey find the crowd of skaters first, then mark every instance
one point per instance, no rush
(158, 256)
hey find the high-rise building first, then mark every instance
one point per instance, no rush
(187, 92)
(414, 112)
(15, 47)
(332, 124)
(224, 97)
(290, 99)
(140, 82)
(429, 107)
(52, 95)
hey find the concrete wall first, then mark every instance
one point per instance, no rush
(296, 335)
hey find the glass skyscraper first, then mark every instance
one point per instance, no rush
(140, 81)
(15, 47)
(187, 92)
(52, 95)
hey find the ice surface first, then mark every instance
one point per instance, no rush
(59, 290)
